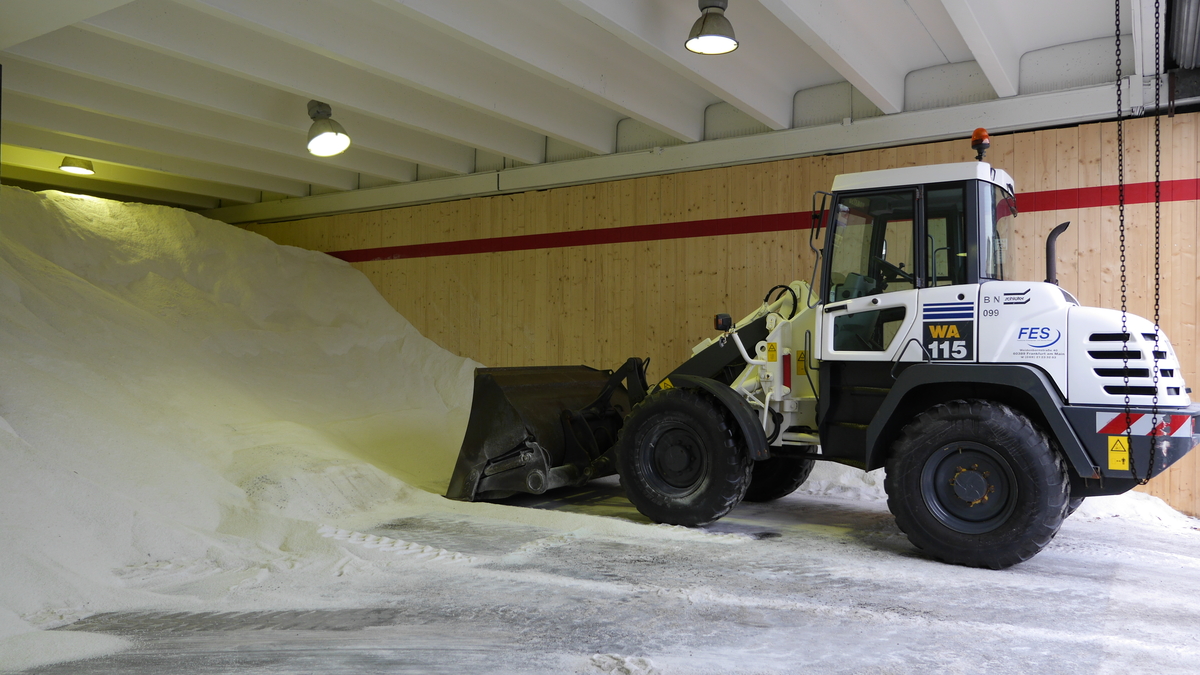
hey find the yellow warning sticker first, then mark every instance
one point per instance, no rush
(1118, 453)
(801, 359)
(772, 352)
(666, 384)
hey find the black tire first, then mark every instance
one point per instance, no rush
(1073, 506)
(976, 483)
(681, 458)
(777, 477)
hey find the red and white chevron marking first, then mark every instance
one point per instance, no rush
(1142, 424)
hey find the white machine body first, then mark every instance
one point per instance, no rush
(998, 322)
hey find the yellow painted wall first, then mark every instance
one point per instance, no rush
(601, 304)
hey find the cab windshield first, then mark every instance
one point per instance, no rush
(1000, 212)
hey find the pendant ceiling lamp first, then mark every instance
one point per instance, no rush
(83, 167)
(326, 137)
(712, 33)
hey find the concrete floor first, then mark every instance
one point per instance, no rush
(817, 585)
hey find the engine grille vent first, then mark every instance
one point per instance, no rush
(1113, 349)
(1131, 354)
(1131, 390)
(1122, 372)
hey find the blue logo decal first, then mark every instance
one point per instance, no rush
(948, 311)
(1039, 337)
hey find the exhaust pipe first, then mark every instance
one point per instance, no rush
(1051, 253)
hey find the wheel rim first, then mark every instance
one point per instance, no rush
(673, 459)
(969, 487)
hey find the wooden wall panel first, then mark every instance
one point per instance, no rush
(599, 304)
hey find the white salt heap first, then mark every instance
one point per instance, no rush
(174, 390)
(191, 414)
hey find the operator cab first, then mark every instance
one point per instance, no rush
(948, 225)
(944, 226)
(905, 252)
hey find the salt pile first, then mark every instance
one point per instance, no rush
(192, 417)
(834, 480)
(178, 392)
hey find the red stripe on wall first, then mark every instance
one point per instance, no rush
(1108, 195)
(1027, 202)
(779, 222)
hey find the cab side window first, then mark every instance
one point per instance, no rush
(873, 248)
(873, 253)
(946, 236)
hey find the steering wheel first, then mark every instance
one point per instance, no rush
(893, 272)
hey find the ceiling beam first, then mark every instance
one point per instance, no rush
(45, 160)
(993, 50)
(543, 38)
(1143, 37)
(33, 137)
(114, 101)
(205, 40)
(1016, 113)
(101, 58)
(658, 30)
(26, 19)
(31, 111)
(945, 35)
(390, 46)
(36, 179)
(828, 31)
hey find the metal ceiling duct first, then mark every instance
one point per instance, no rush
(1185, 33)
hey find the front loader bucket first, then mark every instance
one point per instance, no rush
(536, 428)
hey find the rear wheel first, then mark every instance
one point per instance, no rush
(975, 483)
(777, 477)
(681, 458)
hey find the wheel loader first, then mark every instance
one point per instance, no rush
(995, 405)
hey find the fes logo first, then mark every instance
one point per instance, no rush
(1039, 337)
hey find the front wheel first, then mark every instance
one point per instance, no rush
(976, 483)
(681, 458)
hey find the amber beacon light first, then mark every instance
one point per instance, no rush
(980, 142)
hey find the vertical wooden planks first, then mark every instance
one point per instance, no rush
(740, 264)
(1091, 225)
(1139, 219)
(606, 284)
(591, 323)
(1045, 180)
(1066, 177)
(1022, 251)
(1110, 277)
(1185, 229)
(1002, 155)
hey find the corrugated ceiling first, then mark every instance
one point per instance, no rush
(202, 103)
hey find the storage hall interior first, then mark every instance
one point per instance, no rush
(406, 336)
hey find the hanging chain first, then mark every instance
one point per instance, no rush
(1154, 438)
(1121, 228)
